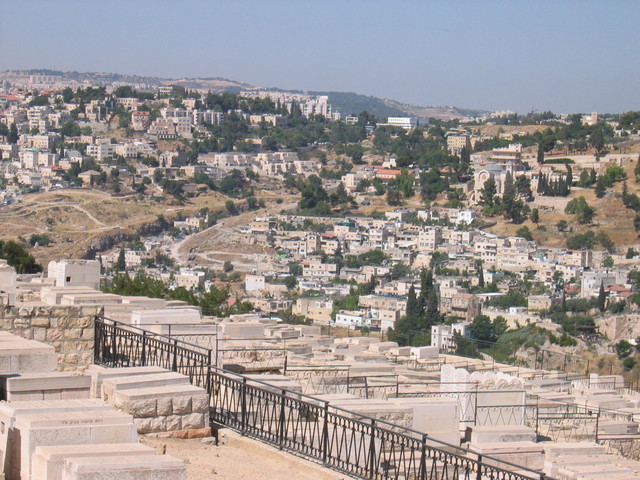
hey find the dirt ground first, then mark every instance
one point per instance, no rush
(240, 458)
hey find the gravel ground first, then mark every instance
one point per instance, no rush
(240, 458)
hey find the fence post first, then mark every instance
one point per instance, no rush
(98, 342)
(372, 450)
(174, 366)
(243, 406)
(143, 355)
(208, 373)
(475, 407)
(597, 424)
(325, 434)
(479, 471)
(281, 423)
(114, 350)
(423, 458)
(538, 417)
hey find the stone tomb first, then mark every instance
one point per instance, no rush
(502, 433)
(525, 454)
(99, 374)
(111, 386)
(437, 417)
(134, 467)
(19, 355)
(8, 413)
(48, 462)
(44, 386)
(165, 408)
(32, 430)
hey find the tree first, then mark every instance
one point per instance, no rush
(231, 207)
(412, 303)
(597, 140)
(608, 262)
(540, 155)
(13, 136)
(601, 188)
(18, 257)
(480, 271)
(623, 349)
(631, 252)
(525, 233)
(535, 216)
(488, 192)
(121, 264)
(482, 329)
(290, 282)
(394, 197)
(562, 225)
(602, 298)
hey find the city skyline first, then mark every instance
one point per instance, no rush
(566, 57)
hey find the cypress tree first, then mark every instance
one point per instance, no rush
(412, 303)
(602, 298)
(121, 265)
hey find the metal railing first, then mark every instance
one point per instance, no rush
(120, 345)
(345, 441)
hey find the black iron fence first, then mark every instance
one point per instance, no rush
(355, 444)
(120, 345)
(343, 440)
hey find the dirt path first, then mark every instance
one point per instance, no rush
(241, 458)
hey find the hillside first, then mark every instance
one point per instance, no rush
(345, 102)
(78, 220)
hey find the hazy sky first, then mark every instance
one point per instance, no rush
(567, 56)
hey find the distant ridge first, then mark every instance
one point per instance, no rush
(344, 102)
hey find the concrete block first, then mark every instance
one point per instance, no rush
(181, 405)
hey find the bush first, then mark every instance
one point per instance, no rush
(628, 363)
(38, 239)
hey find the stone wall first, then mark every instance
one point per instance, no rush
(68, 329)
